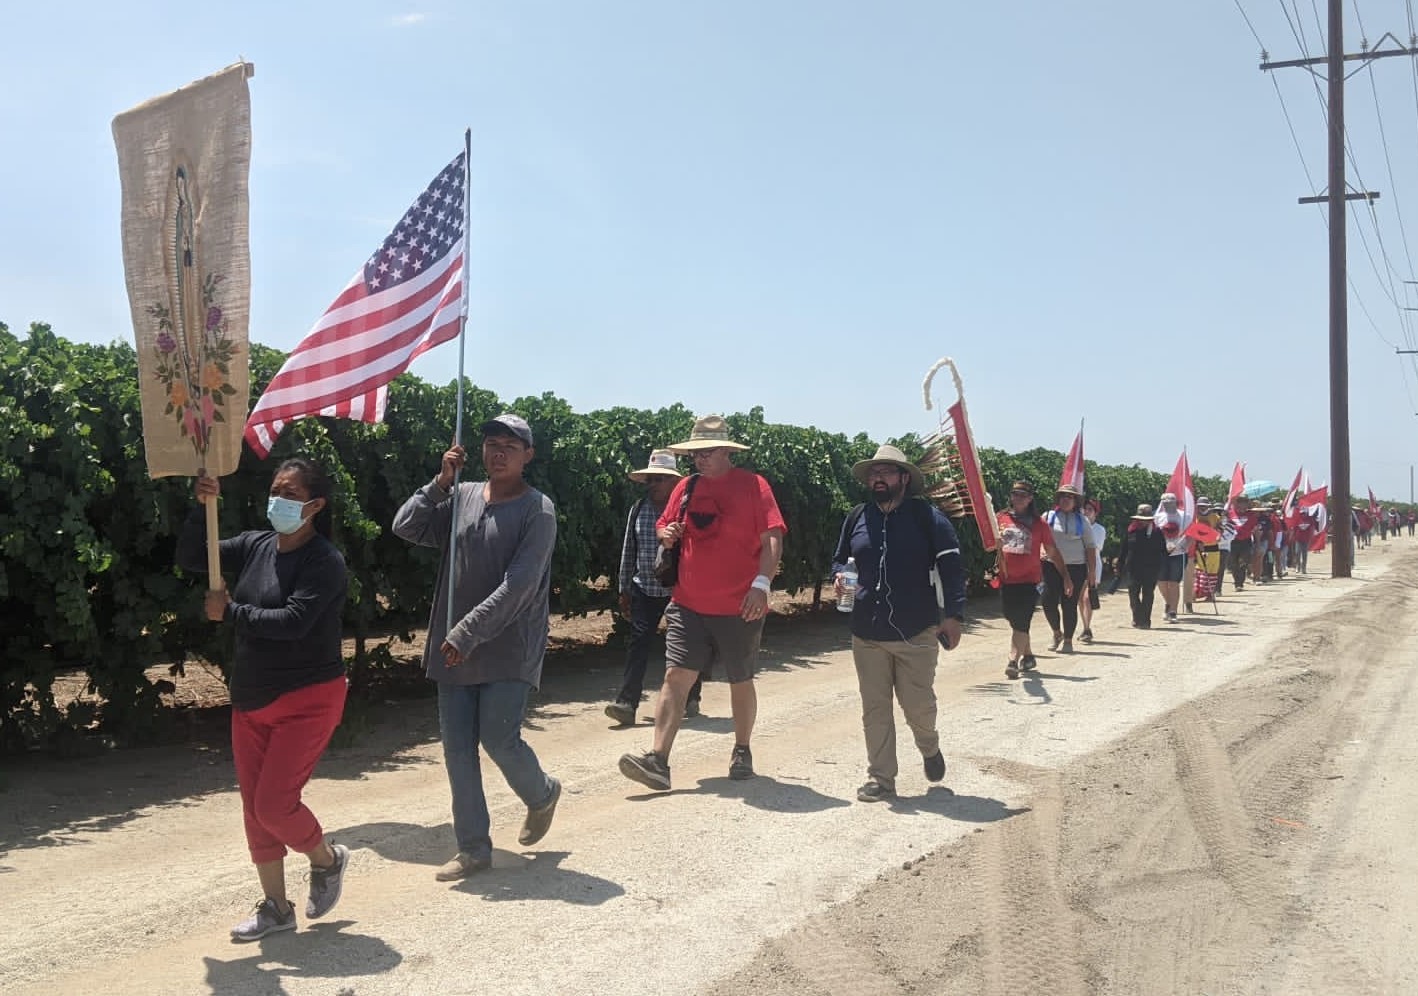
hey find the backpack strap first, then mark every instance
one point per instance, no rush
(684, 498)
(631, 523)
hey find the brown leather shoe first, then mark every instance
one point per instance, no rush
(538, 820)
(462, 865)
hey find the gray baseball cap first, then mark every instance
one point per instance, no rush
(508, 424)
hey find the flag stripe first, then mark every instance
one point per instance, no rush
(313, 385)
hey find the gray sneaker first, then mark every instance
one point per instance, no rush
(538, 820)
(622, 712)
(648, 769)
(874, 791)
(265, 919)
(691, 709)
(326, 883)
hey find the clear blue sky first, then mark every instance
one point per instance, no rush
(800, 205)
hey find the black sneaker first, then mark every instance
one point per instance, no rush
(622, 712)
(874, 791)
(648, 769)
(326, 883)
(741, 764)
(935, 767)
(1028, 663)
(691, 709)
(265, 919)
(538, 820)
(1086, 636)
(1011, 670)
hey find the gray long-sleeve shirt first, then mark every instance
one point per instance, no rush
(500, 602)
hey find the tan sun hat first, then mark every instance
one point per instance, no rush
(709, 432)
(662, 464)
(893, 456)
(1145, 513)
(1068, 489)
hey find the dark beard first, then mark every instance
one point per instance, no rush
(886, 494)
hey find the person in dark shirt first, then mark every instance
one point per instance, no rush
(1144, 547)
(901, 546)
(287, 679)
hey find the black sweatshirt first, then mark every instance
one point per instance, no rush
(285, 606)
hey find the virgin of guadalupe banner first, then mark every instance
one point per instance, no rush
(183, 160)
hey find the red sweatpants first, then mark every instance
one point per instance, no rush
(275, 749)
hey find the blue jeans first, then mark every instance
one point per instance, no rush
(490, 715)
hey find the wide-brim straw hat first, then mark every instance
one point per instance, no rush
(661, 464)
(709, 432)
(893, 456)
(1145, 513)
(1068, 489)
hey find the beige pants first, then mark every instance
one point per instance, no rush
(908, 671)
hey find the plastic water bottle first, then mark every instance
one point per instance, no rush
(849, 586)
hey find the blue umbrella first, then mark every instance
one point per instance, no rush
(1259, 489)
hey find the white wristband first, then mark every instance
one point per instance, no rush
(763, 583)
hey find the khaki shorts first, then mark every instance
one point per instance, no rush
(697, 642)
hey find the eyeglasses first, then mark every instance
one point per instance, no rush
(704, 453)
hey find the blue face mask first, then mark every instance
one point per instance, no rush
(285, 514)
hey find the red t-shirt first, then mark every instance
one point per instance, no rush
(723, 536)
(1021, 549)
(1246, 525)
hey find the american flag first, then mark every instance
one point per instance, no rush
(405, 299)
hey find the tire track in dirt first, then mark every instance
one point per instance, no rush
(1214, 803)
(1022, 899)
(834, 963)
(1227, 798)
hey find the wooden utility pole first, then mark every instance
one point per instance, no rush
(1337, 196)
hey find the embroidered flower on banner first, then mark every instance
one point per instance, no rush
(196, 375)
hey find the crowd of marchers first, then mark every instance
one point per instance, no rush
(699, 555)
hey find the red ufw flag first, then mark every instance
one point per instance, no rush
(1073, 465)
(404, 300)
(1289, 510)
(1238, 481)
(1201, 532)
(1316, 499)
(1180, 484)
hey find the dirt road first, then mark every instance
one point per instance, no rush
(1220, 806)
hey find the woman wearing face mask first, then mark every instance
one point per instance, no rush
(287, 679)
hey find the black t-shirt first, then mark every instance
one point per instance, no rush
(285, 607)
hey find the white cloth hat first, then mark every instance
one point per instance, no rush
(662, 464)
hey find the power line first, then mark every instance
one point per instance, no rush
(1296, 30)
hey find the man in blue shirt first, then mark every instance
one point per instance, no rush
(903, 547)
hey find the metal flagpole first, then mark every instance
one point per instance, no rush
(462, 335)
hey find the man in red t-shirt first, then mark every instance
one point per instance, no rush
(1301, 533)
(726, 523)
(1024, 535)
